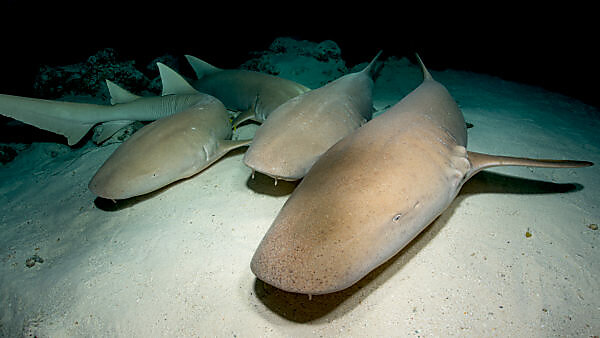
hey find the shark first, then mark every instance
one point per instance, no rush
(167, 150)
(373, 192)
(74, 120)
(295, 134)
(254, 94)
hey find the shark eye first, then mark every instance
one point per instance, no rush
(397, 218)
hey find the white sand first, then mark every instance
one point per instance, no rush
(176, 262)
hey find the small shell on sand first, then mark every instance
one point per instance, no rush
(30, 262)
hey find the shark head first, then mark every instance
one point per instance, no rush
(280, 149)
(165, 151)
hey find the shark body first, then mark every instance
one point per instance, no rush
(167, 150)
(299, 131)
(254, 94)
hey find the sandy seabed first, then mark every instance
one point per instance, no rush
(514, 255)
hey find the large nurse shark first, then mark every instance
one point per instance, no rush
(170, 149)
(373, 192)
(167, 150)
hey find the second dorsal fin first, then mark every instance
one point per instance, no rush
(172, 82)
(119, 94)
(201, 68)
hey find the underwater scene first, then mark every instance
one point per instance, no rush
(305, 192)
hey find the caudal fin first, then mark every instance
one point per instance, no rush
(65, 118)
(482, 161)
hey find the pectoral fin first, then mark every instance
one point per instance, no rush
(244, 116)
(482, 161)
(249, 114)
(226, 146)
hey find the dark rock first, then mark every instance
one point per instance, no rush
(7, 154)
(88, 78)
(310, 63)
(322, 51)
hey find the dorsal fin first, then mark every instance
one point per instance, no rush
(200, 67)
(371, 69)
(426, 74)
(481, 161)
(172, 82)
(119, 94)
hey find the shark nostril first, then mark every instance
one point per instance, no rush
(397, 218)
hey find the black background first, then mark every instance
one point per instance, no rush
(555, 48)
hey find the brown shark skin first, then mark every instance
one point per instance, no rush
(245, 90)
(372, 193)
(291, 140)
(167, 150)
(255, 94)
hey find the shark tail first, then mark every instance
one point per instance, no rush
(65, 118)
(482, 161)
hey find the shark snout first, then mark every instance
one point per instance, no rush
(277, 167)
(305, 264)
(295, 272)
(104, 185)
